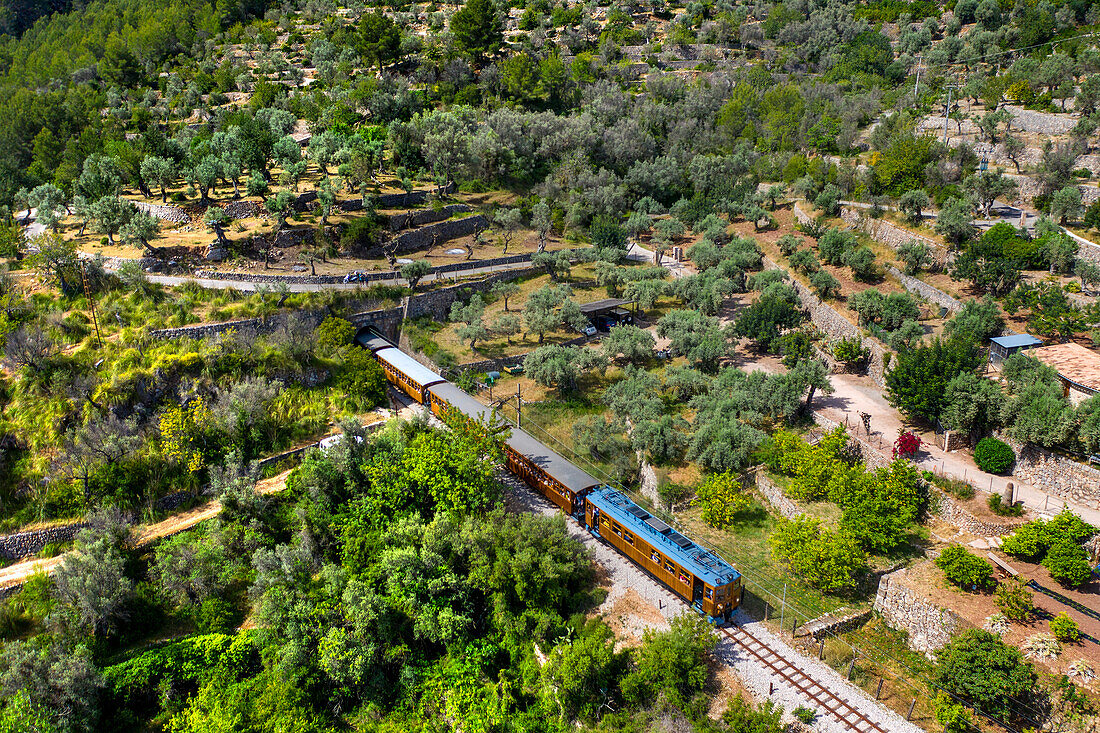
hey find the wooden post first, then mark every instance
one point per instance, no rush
(771, 689)
(765, 610)
(909, 715)
(851, 666)
(794, 626)
(878, 692)
(821, 649)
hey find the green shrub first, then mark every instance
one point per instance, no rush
(1064, 628)
(1001, 509)
(994, 456)
(1015, 601)
(965, 569)
(804, 714)
(1029, 542)
(1068, 563)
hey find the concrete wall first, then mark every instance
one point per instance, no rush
(930, 627)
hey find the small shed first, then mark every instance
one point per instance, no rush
(607, 313)
(1077, 367)
(1002, 347)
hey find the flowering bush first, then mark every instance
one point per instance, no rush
(907, 445)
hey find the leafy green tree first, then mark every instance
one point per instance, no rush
(1015, 601)
(379, 39)
(917, 384)
(955, 221)
(504, 290)
(111, 214)
(825, 284)
(984, 671)
(673, 663)
(694, 335)
(629, 343)
(561, 366)
(583, 675)
(977, 321)
(470, 314)
(91, 588)
(913, 203)
(972, 404)
(863, 264)
(141, 228)
(49, 200)
(478, 29)
(828, 561)
(413, 272)
(1068, 563)
(159, 172)
(764, 320)
(721, 498)
(1065, 204)
(916, 256)
(49, 685)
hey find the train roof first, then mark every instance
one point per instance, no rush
(408, 366)
(555, 465)
(369, 339)
(705, 564)
(457, 398)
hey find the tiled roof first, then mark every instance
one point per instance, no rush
(1074, 363)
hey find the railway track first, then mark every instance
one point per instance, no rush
(839, 708)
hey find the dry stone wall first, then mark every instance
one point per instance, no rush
(930, 627)
(837, 327)
(774, 495)
(164, 213)
(890, 234)
(420, 217)
(434, 234)
(24, 544)
(926, 291)
(1057, 475)
(947, 509)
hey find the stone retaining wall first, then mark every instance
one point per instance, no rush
(837, 327)
(948, 509)
(1057, 475)
(164, 213)
(420, 217)
(890, 234)
(436, 234)
(386, 276)
(24, 544)
(775, 496)
(243, 210)
(392, 200)
(930, 627)
(926, 291)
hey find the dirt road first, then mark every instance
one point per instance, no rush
(17, 574)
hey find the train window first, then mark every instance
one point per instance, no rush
(684, 579)
(655, 557)
(616, 530)
(668, 567)
(707, 593)
(628, 537)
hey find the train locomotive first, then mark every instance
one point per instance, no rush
(703, 580)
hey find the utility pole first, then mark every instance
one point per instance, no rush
(916, 84)
(519, 408)
(947, 110)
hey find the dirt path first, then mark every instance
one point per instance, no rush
(17, 574)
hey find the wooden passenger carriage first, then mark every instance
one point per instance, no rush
(692, 572)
